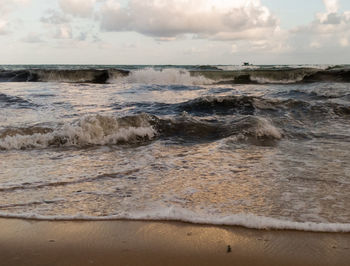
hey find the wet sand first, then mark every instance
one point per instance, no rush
(28, 242)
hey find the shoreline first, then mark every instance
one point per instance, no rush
(126, 242)
(248, 221)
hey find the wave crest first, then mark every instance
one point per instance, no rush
(163, 77)
(91, 130)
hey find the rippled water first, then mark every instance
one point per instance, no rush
(207, 153)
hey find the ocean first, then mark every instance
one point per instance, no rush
(255, 146)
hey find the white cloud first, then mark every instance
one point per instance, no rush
(215, 19)
(344, 42)
(3, 27)
(80, 8)
(234, 48)
(64, 32)
(315, 44)
(332, 6)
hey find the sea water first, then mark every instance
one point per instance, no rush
(177, 143)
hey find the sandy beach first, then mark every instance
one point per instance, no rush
(28, 242)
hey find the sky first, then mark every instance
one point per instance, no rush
(174, 32)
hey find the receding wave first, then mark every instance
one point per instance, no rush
(170, 76)
(68, 182)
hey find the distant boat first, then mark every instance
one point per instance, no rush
(246, 64)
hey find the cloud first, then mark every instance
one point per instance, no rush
(315, 45)
(344, 42)
(58, 24)
(61, 25)
(83, 36)
(3, 27)
(234, 49)
(214, 19)
(6, 7)
(329, 29)
(55, 17)
(64, 32)
(79, 8)
(331, 16)
(32, 38)
(332, 6)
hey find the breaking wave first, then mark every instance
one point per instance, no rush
(240, 118)
(163, 77)
(61, 75)
(91, 130)
(107, 130)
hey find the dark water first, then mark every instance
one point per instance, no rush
(183, 143)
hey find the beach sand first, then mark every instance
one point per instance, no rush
(29, 242)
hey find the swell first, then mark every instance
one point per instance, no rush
(251, 105)
(249, 128)
(59, 75)
(276, 76)
(196, 76)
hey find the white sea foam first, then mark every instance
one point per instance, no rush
(259, 128)
(90, 130)
(264, 80)
(335, 90)
(162, 77)
(264, 128)
(183, 215)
